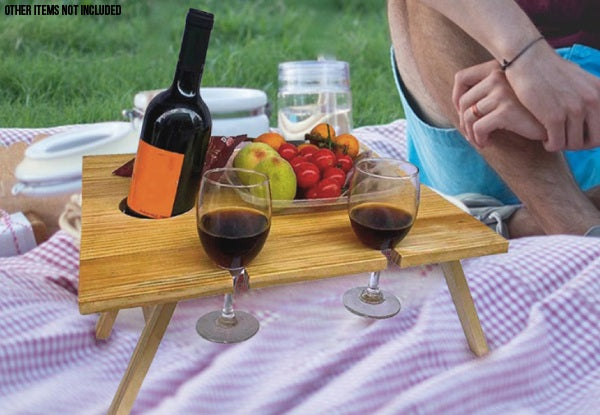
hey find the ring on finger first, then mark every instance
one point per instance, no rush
(476, 111)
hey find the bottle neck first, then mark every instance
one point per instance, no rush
(186, 82)
(192, 56)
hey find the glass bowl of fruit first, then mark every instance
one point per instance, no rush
(305, 176)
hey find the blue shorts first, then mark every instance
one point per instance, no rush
(449, 164)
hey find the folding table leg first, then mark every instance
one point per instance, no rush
(147, 310)
(465, 308)
(142, 358)
(105, 323)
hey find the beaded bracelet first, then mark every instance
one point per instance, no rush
(505, 64)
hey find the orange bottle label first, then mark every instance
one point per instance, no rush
(154, 181)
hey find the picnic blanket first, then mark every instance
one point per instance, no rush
(539, 306)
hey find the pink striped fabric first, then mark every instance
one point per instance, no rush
(539, 306)
(10, 136)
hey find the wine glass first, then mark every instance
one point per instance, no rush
(382, 206)
(233, 217)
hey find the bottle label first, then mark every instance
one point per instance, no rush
(154, 181)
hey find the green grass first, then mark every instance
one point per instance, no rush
(58, 70)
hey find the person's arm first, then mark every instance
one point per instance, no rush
(562, 96)
(501, 26)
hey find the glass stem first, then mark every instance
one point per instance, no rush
(227, 318)
(227, 311)
(374, 282)
(372, 295)
(373, 288)
(241, 280)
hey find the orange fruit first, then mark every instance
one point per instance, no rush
(346, 144)
(274, 140)
(324, 131)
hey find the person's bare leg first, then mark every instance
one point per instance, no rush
(594, 195)
(521, 223)
(429, 50)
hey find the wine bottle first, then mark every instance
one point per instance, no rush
(175, 133)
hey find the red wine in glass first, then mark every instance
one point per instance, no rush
(380, 226)
(382, 206)
(233, 219)
(232, 237)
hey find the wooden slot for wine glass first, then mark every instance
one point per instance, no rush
(130, 262)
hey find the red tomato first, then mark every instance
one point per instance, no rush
(335, 173)
(344, 162)
(311, 193)
(328, 188)
(307, 175)
(324, 158)
(288, 151)
(307, 149)
(297, 160)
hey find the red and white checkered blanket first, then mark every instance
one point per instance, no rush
(539, 306)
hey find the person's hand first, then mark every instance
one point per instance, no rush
(561, 95)
(485, 102)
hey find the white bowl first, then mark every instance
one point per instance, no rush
(52, 166)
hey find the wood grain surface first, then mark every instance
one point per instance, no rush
(129, 262)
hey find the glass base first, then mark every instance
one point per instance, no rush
(389, 306)
(215, 329)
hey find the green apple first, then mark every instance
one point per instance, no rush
(252, 154)
(281, 176)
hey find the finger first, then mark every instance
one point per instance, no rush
(591, 124)
(556, 136)
(469, 119)
(471, 116)
(466, 78)
(483, 128)
(485, 110)
(574, 138)
(522, 122)
(591, 129)
(505, 117)
(534, 130)
(475, 94)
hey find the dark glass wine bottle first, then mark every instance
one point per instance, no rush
(175, 133)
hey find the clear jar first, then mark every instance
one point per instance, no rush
(313, 92)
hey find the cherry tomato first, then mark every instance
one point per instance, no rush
(307, 175)
(344, 162)
(297, 160)
(306, 149)
(324, 158)
(311, 193)
(288, 151)
(328, 188)
(335, 173)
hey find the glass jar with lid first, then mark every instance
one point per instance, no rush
(313, 92)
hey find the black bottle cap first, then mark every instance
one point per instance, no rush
(198, 25)
(200, 18)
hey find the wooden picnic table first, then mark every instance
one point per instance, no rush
(128, 262)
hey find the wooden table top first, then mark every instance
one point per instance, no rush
(129, 262)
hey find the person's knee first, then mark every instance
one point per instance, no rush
(430, 50)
